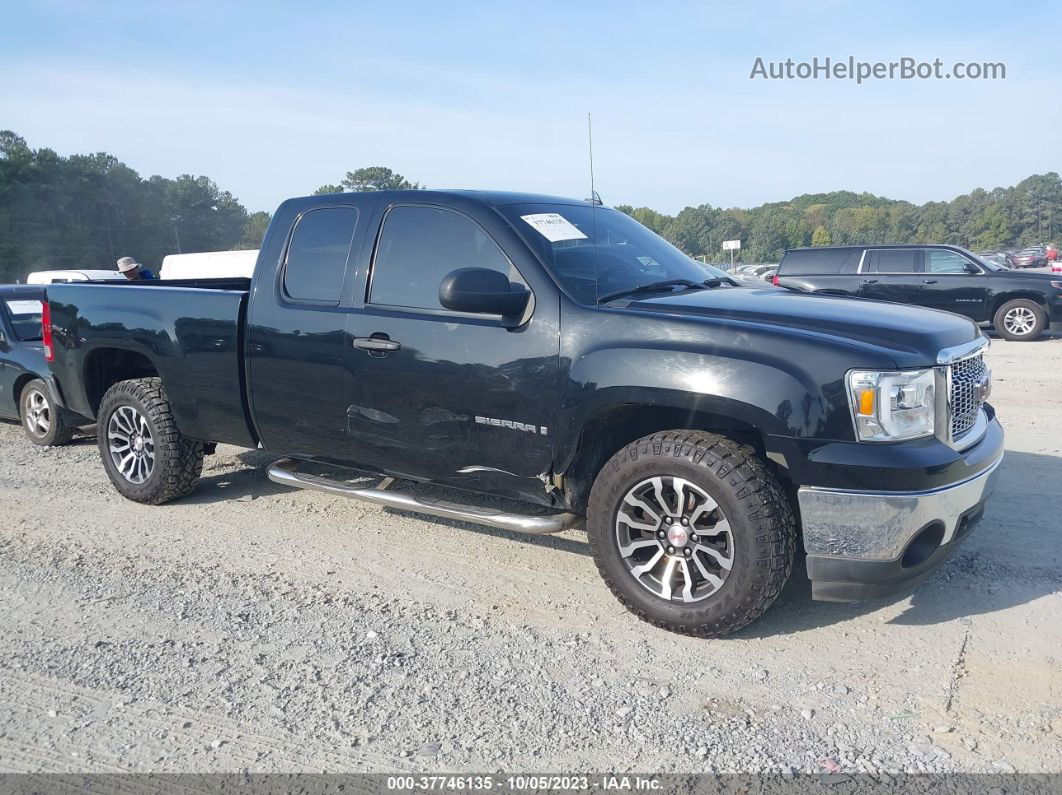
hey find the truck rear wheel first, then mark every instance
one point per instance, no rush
(690, 532)
(146, 457)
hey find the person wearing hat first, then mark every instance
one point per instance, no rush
(133, 270)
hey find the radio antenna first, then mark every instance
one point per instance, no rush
(594, 201)
(590, 149)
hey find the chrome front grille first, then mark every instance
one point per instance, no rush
(969, 381)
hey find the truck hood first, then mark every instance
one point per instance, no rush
(1025, 275)
(911, 335)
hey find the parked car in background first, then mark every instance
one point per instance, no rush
(758, 270)
(209, 265)
(1032, 257)
(1019, 305)
(737, 277)
(1052, 254)
(768, 275)
(59, 277)
(995, 257)
(27, 390)
(555, 352)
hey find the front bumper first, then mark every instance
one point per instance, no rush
(870, 544)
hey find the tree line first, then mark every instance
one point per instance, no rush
(85, 211)
(1024, 214)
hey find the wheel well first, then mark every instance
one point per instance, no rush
(1036, 298)
(105, 367)
(616, 427)
(20, 384)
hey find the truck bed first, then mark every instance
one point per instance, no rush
(189, 331)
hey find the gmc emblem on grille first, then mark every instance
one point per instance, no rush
(983, 388)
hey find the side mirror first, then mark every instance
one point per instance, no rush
(484, 291)
(969, 267)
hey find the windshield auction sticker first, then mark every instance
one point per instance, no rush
(554, 227)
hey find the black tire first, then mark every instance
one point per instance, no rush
(43, 422)
(177, 461)
(763, 530)
(1008, 313)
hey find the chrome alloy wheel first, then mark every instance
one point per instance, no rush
(38, 418)
(131, 446)
(1019, 321)
(674, 539)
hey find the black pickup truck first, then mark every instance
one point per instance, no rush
(1020, 306)
(558, 353)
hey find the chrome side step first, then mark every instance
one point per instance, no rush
(286, 473)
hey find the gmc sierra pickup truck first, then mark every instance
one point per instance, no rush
(557, 353)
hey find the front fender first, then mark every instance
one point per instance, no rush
(777, 398)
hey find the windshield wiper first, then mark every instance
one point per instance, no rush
(652, 286)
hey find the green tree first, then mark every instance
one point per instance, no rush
(254, 230)
(691, 230)
(370, 178)
(821, 237)
(86, 210)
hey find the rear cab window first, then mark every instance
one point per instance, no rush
(315, 264)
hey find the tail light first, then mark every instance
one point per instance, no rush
(775, 281)
(46, 332)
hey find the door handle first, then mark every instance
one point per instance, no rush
(376, 344)
(870, 281)
(929, 281)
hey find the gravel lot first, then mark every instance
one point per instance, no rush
(250, 627)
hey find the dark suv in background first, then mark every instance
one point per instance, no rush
(1019, 305)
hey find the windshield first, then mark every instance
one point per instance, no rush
(595, 252)
(992, 262)
(25, 318)
(712, 271)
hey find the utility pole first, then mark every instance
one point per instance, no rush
(176, 236)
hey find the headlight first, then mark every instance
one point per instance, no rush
(888, 407)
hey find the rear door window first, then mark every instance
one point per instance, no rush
(893, 260)
(316, 261)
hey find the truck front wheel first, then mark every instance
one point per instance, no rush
(690, 532)
(146, 457)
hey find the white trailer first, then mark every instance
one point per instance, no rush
(209, 265)
(52, 277)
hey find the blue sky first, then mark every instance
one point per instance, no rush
(274, 99)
